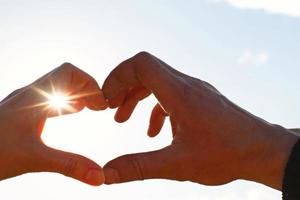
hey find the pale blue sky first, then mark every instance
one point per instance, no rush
(250, 55)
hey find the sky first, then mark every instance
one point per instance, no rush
(248, 49)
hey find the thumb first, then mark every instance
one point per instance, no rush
(140, 166)
(71, 165)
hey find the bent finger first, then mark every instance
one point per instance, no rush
(69, 82)
(157, 120)
(145, 70)
(125, 110)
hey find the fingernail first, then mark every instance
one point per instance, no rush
(111, 176)
(94, 177)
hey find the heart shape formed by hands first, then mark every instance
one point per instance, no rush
(208, 129)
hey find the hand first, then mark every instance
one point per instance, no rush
(214, 140)
(22, 117)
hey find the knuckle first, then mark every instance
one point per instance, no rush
(132, 164)
(142, 56)
(210, 87)
(70, 165)
(136, 163)
(67, 66)
(70, 68)
(17, 91)
(14, 93)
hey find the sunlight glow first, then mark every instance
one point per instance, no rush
(58, 101)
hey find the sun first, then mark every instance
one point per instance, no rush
(58, 101)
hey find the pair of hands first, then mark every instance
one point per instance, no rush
(214, 141)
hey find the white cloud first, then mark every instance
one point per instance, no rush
(287, 7)
(251, 58)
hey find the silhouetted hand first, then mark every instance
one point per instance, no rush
(214, 140)
(22, 117)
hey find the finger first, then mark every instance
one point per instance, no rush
(145, 70)
(140, 166)
(69, 81)
(93, 96)
(125, 110)
(157, 120)
(69, 164)
(118, 100)
(84, 87)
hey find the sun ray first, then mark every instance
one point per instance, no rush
(55, 101)
(58, 102)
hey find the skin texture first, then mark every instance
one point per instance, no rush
(23, 115)
(214, 140)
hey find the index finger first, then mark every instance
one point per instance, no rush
(79, 89)
(144, 70)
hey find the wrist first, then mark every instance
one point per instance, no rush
(270, 153)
